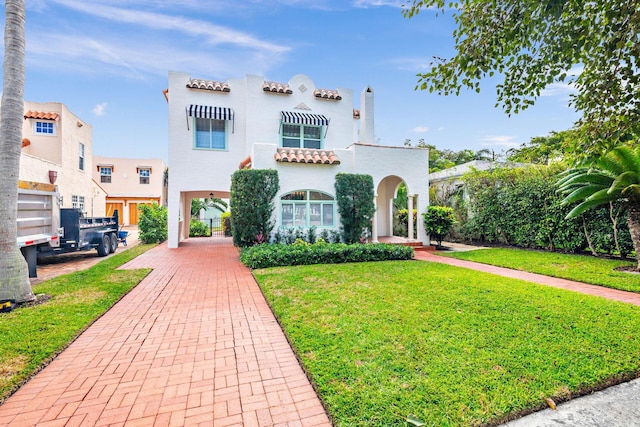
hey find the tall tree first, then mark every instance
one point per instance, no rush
(591, 45)
(14, 274)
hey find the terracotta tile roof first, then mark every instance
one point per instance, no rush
(298, 155)
(275, 87)
(356, 113)
(245, 163)
(41, 115)
(327, 94)
(208, 85)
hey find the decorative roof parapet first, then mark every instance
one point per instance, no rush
(301, 155)
(327, 94)
(212, 85)
(275, 87)
(41, 115)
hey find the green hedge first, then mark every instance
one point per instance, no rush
(198, 229)
(153, 223)
(520, 207)
(354, 194)
(252, 194)
(274, 255)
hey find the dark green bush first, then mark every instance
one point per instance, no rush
(252, 194)
(520, 207)
(354, 194)
(152, 223)
(264, 256)
(226, 223)
(198, 229)
(438, 221)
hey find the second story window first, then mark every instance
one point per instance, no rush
(81, 156)
(210, 134)
(144, 175)
(301, 136)
(44, 128)
(105, 174)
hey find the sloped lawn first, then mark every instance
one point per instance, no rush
(581, 268)
(386, 340)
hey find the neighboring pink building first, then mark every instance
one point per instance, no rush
(129, 183)
(57, 149)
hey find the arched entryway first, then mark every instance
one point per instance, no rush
(386, 191)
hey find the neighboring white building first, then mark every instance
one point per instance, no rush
(56, 149)
(306, 133)
(129, 183)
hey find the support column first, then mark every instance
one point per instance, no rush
(374, 225)
(410, 216)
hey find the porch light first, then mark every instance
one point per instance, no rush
(53, 175)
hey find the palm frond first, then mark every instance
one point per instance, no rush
(582, 193)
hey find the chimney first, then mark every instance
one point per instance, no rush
(366, 116)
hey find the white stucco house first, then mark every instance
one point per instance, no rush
(307, 134)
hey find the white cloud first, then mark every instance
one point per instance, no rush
(100, 109)
(441, 129)
(420, 129)
(370, 3)
(499, 140)
(212, 34)
(414, 65)
(563, 88)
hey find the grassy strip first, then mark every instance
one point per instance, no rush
(32, 336)
(581, 268)
(453, 347)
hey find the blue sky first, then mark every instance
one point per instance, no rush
(108, 62)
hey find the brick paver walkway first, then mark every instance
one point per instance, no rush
(193, 344)
(613, 294)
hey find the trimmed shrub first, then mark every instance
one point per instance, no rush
(354, 194)
(226, 223)
(438, 220)
(198, 229)
(265, 256)
(252, 194)
(153, 223)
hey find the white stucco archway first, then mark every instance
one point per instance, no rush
(386, 191)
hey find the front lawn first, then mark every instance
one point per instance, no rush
(383, 341)
(32, 336)
(581, 268)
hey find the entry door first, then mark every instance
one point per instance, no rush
(111, 207)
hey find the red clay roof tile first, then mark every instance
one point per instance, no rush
(41, 115)
(301, 155)
(327, 94)
(208, 85)
(275, 87)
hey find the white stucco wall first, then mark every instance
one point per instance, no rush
(256, 133)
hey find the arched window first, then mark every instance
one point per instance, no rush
(306, 208)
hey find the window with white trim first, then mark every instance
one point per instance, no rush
(306, 208)
(301, 136)
(144, 175)
(210, 134)
(105, 174)
(43, 128)
(81, 156)
(77, 202)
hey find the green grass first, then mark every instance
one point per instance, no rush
(31, 336)
(385, 340)
(581, 268)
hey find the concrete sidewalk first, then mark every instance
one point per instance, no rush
(193, 344)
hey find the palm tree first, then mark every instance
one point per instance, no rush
(14, 274)
(213, 202)
(615, 176)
